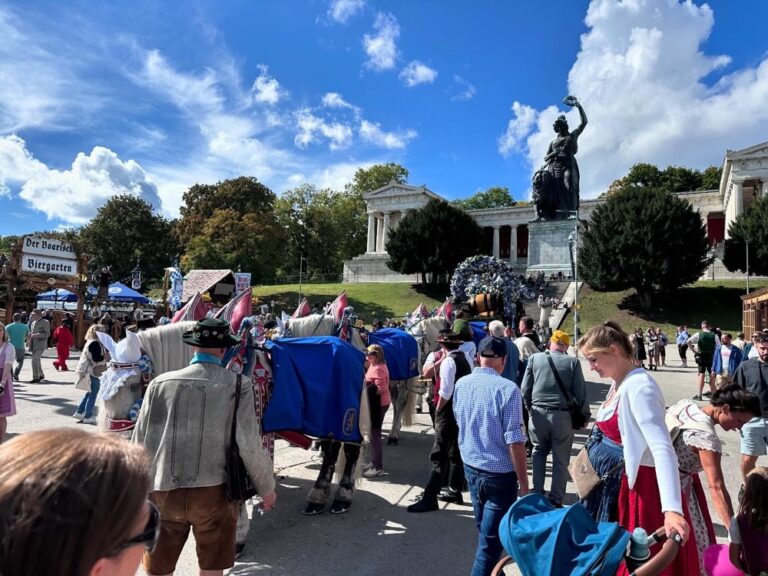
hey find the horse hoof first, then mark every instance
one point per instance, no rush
(313, 509)
(340, 506)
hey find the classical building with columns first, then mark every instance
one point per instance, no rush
(505, 230)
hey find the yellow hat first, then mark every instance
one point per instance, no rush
(560, 337)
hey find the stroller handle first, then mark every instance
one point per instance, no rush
(666, 555)
(653, 567)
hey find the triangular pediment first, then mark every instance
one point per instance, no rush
(395, 189)
(756, 151)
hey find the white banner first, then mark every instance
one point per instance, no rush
(48, 247)
(242, 281)
(48, 266)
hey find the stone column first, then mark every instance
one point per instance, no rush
(385, 235)
(379, 235)
(513, 244)
(371, 233)
(738, 199)
(496, 241)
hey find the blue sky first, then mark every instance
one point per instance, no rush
(148, 98)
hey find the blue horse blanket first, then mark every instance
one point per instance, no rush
(478, 330)
(317, 384)
(401, 352)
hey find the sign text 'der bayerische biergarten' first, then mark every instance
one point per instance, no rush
(48, 247)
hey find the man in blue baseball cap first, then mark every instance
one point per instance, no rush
(489, 413)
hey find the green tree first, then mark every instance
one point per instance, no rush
(233, 240)
(243, 195)
(679, 179)
(646, 239)
(377, 176)
(493, 197)
(644, 176)
(710, 178)
(433, 240)
(231, 224)
(126, 229)
(750, 226)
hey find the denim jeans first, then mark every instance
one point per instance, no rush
(89, 400)
(492, 495)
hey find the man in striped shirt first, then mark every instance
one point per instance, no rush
(489, 413)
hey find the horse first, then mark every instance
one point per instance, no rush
(135, 360)
(334, 458)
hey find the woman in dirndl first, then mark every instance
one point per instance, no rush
(7, 399)
(630, 426)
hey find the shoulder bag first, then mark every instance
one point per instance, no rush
(238, 485)
(578, 418)
(584, 476)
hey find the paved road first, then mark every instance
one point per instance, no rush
(377, 537)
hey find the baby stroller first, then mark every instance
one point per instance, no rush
(544, 541)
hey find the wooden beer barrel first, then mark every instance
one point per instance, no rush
(483, 304)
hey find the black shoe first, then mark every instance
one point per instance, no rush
(313, 509)
(424, 505)
(391, 441)
(451, 497)
(239, 549)
(707, 393)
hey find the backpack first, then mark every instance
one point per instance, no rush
(706, 342)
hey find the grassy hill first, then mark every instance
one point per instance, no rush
(717, 301)
(370, 300)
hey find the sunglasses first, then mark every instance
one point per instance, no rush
(148, 536)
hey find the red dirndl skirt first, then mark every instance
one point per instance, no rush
(641, 506)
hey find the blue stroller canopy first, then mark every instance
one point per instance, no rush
(401, 352)
(544, 540)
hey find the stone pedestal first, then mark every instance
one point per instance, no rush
(548, 246)
(373, 268)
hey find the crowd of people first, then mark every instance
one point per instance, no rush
(501, 410)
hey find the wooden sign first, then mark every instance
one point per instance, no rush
(34, 264)
(48, 247)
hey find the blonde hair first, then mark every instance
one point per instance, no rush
(5, 332)
(74, 494)
(599, 339)
(377, 351)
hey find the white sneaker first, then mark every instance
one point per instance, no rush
(91, 420)
(367, 466)
(78, 415)
(374, 473)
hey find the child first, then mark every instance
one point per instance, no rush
(748, 550)
(64, 341)
(749, 530)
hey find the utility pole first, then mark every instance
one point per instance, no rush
(301, 262)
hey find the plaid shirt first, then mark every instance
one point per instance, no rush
(489, 412)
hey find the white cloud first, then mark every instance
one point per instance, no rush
(381, 47)
(335, 100)
(311, 128)
(371, 132)
(266, 89)
(640, 75)
(518, 128)
(73, 196)
(416, 73)
(343, 10)
(466, 92)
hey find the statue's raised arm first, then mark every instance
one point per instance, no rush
(572, 101)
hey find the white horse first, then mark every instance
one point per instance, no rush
(341, 460)
(123, 382)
